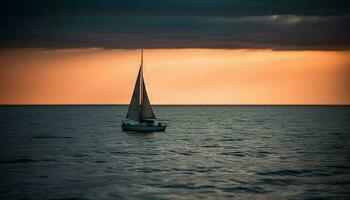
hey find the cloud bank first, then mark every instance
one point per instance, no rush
(129, 24)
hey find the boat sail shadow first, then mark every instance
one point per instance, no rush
(140, 116)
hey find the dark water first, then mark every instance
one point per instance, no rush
(211, 152)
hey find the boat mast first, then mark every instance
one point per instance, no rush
(141, 84)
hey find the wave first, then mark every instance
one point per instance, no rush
(52, 137)
(22, 160)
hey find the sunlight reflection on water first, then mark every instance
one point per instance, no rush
(213, 152)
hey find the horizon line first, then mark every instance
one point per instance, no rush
(101, 104)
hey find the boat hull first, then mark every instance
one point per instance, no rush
(143, 128)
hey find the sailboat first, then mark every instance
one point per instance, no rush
(140, 116)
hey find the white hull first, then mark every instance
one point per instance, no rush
(143, 127)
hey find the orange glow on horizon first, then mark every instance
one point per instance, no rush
(174, 76)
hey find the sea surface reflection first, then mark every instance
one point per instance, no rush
(212, 152)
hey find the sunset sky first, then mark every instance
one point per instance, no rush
(196, 52)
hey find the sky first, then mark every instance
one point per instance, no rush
(196, 51)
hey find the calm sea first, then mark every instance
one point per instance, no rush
(207, 152)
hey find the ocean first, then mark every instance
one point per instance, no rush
(207, 152)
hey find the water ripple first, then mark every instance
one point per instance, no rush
(207, 152)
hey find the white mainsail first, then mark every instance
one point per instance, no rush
(140, 107)
(134, 107)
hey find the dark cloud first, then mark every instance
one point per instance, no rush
(284, 25)
(174, 7)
